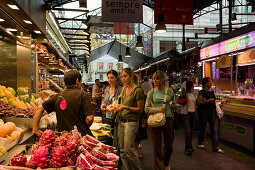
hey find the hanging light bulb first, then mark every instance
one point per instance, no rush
(139, 43)
(161, 26)
(128, 54)
(83, 4)
(233, 17)
(120, 59)
(218, 28)
(206, 31)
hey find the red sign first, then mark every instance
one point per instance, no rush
(175, 11)
(100, 64)
(110, 64)
(123, 28)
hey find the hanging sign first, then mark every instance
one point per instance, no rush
(175, 11)
(234, 44)
(223, 62)
(246, 58)
(124, 28)
(122, 11)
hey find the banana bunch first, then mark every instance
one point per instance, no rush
(2, 151)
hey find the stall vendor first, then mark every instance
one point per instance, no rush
(72, 106)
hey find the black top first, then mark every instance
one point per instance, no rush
(207, 95)
(78, 108)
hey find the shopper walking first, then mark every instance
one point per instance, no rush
(189, 114)
(154, 104)
(111, 94)
(132, 104)
(72, 107)
(207, 112)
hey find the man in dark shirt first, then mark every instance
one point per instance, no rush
(72, 107)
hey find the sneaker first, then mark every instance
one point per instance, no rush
(201, 146)
(218, 150)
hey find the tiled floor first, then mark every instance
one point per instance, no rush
(235, 158)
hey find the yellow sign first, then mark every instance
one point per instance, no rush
(224, 61)
(246, 58)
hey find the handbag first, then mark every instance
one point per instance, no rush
(158, 119)
(182, 100)
(219, 111)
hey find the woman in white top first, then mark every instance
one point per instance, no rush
(189, 115)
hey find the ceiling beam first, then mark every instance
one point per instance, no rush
(76, 39)
(69, 9)
(65, 28)
(77, 42)
(76, 34)
(72, 19)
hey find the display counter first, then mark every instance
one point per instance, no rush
(238, 123)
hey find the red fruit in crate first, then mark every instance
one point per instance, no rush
(59, 157)
(30, 164)
(69, 162)
(48, 138)
(19, 160)
(72, 148)
(41, 157)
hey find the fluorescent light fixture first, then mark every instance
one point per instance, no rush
(2, 20)
(13, 6)
(27, 21)
(37, 32)
(24, 37)
(11, 29)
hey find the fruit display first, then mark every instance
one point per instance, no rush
(2, 151)
(9, 110)
(9, 134)
(68, 149)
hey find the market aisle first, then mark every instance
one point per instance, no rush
(234, 158)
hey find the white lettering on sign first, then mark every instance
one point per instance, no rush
(122, 11)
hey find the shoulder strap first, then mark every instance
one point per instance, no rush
(165, 96)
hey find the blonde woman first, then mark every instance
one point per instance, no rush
(154, 104)
(132, 104)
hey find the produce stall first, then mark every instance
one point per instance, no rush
(62, 150)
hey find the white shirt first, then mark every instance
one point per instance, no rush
(190, 106)
(191, 101)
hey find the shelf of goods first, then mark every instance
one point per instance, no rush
(63, 150)
(238, 123)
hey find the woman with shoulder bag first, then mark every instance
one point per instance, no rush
(111, 94)
(189, 114)
(154, 104)
(206, 112)
(132, 104)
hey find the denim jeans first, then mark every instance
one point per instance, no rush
(189, 122)
(126, 133)
(210, 116)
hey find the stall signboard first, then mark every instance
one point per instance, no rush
(234, 44)
(130, 11)
(246, 58)
(224, 61)
(175, 11)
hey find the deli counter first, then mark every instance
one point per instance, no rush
(238, 123)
